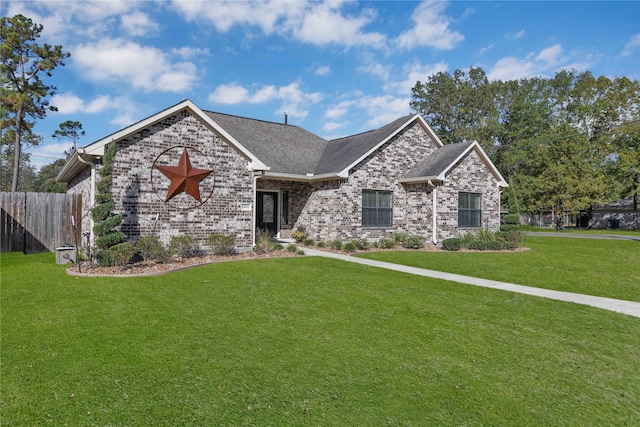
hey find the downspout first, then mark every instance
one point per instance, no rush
(92, 192)
(253, 215)
(434, 197)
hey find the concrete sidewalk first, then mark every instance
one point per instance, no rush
(630, 308)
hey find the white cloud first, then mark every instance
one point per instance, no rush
(431, 28)
(130, 64)
(68, 103)
(138, 24)
(515, 36)
(293, 100)
(550, 55)
(547, 60)
(413, 73)
(485, 50)
(187, 52)
(323, 70)
(378, 70)
(316, 23)
(332, 126)
(632, 45)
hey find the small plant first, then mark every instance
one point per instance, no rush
(221, 244)
(362, 244)
(150, 248)
(321, 244)
(336, 244)
(264, 240)
(184, 246)
(277, 247)
(350, 247)
(453, 244)
(385, 243)
(121, 254)
(413, 242)
(292, 248)
(307, 242)
(299, 234)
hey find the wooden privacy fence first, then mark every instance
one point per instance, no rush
(38, 222)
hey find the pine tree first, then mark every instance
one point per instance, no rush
(106, 221)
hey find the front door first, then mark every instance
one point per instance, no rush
(267, 211)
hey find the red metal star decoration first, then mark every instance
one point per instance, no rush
(184, 178)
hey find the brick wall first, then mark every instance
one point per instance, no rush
(139, 190)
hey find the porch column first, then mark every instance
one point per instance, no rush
(434, 212)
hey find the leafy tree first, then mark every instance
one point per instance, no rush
(624, 165)
(23, 93)
(106, 221)
(552, 138)
(69, 130)
(46, 179)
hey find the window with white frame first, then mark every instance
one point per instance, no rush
(377, 208)
(469, 210)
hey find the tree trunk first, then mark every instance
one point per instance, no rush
(18, 144)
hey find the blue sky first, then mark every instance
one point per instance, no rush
(335, 68)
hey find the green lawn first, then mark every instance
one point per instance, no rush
(303, 341)
(609, 268)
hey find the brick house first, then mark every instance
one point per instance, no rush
(189, 171)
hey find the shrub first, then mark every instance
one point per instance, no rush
(184, 246)
(308, 242)
(453, 244)
(150, 248)
(299, 234)
(509, 227)
(512, 219)
(104, 259)
(385, 243)
(336, 244)
(413, 242)
(264, 240)
(362, 244)
(400, 237)
(292, 248)
(121, 254)
(350, 247)
(221, 244)
(276, 247)
(321, 244)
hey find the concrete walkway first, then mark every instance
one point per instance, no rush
(630, 308)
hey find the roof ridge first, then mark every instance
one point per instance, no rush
(251, 118)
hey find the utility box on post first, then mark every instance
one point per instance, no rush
(65, 254)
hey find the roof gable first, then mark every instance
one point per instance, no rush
(436, 166)
(284, 148)
(343, 154)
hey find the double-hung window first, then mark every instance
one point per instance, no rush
(377, 208)
(469, 210)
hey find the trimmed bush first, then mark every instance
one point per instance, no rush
(509, 227)
(385, 243)
(307, 242)
(413, 242)
(150, 248)
(121, 254)
(362, 244)
(221, 244)
(184, 246)
(453, 244)
(512, 219)
(336, 244)
(350, 247)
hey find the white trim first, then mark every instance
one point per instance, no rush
(301, 178)
(96, 149)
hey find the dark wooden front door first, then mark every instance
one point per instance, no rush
(267, 211)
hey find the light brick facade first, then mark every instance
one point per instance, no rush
(327, 209)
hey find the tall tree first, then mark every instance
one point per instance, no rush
(22, 64)
(69, 130)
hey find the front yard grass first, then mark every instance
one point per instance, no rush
(608, 268)
(304, 341)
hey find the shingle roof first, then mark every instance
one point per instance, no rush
(342, 152)
(285, 148)
(439, 161)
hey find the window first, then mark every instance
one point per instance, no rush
(377, 208)
(469, 210)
